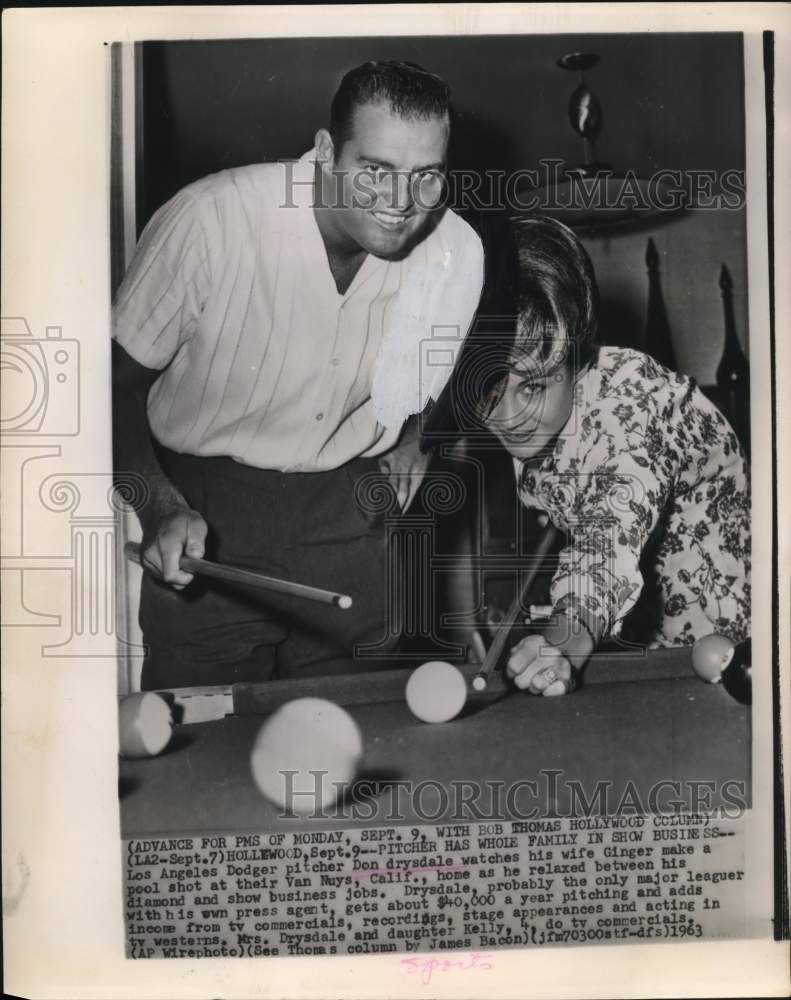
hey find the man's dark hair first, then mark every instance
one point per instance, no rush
(409, 90)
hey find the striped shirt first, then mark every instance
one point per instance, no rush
(230, 295)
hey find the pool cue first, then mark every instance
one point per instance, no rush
(478, 646)
(481, 679)
(232, 574)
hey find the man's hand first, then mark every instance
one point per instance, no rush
(540, 668)
(406, 465)
(171, 528)
(167, 537)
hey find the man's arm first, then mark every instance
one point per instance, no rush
(170, 527)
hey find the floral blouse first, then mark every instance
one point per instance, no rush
(650, 485)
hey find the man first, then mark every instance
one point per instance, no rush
(265, 366)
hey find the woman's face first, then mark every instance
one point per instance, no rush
(532, 410)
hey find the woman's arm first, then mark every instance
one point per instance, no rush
(608, 503)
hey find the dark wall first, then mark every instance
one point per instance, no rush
(669, 101)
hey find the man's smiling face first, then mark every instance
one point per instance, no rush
(384, 182)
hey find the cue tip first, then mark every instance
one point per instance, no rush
(343, 601)
(479, 682)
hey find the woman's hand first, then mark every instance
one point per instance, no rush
(535, 665)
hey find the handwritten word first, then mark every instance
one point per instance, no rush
(426, 967)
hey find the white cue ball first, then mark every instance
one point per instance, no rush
(436, 692)
(145, 724)
(305, 735)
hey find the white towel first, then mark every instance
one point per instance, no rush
(433, 309)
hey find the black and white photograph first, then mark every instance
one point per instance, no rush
(437, 403)
(430, 555)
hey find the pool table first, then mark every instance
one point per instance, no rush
(638, 719)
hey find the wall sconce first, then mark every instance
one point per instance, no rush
(591, 196)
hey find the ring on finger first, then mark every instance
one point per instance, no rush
(550, 675)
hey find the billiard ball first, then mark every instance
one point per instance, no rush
(711, 654)
(715, 658)
(737, 678)
(306, 755)
(436, 692)
(145, 724)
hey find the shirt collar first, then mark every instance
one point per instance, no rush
(301, 174)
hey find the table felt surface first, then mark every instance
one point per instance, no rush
(645, 720)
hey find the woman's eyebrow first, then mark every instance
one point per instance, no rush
(531, 376)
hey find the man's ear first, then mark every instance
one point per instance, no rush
(325, 149)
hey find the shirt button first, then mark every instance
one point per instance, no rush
(335, 362)
(319, 416)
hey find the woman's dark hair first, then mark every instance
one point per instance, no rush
(557, 299)
(408, 89)
(539, 310)
(556, 302)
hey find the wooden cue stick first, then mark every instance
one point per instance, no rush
(481, 679)
(233, 574)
